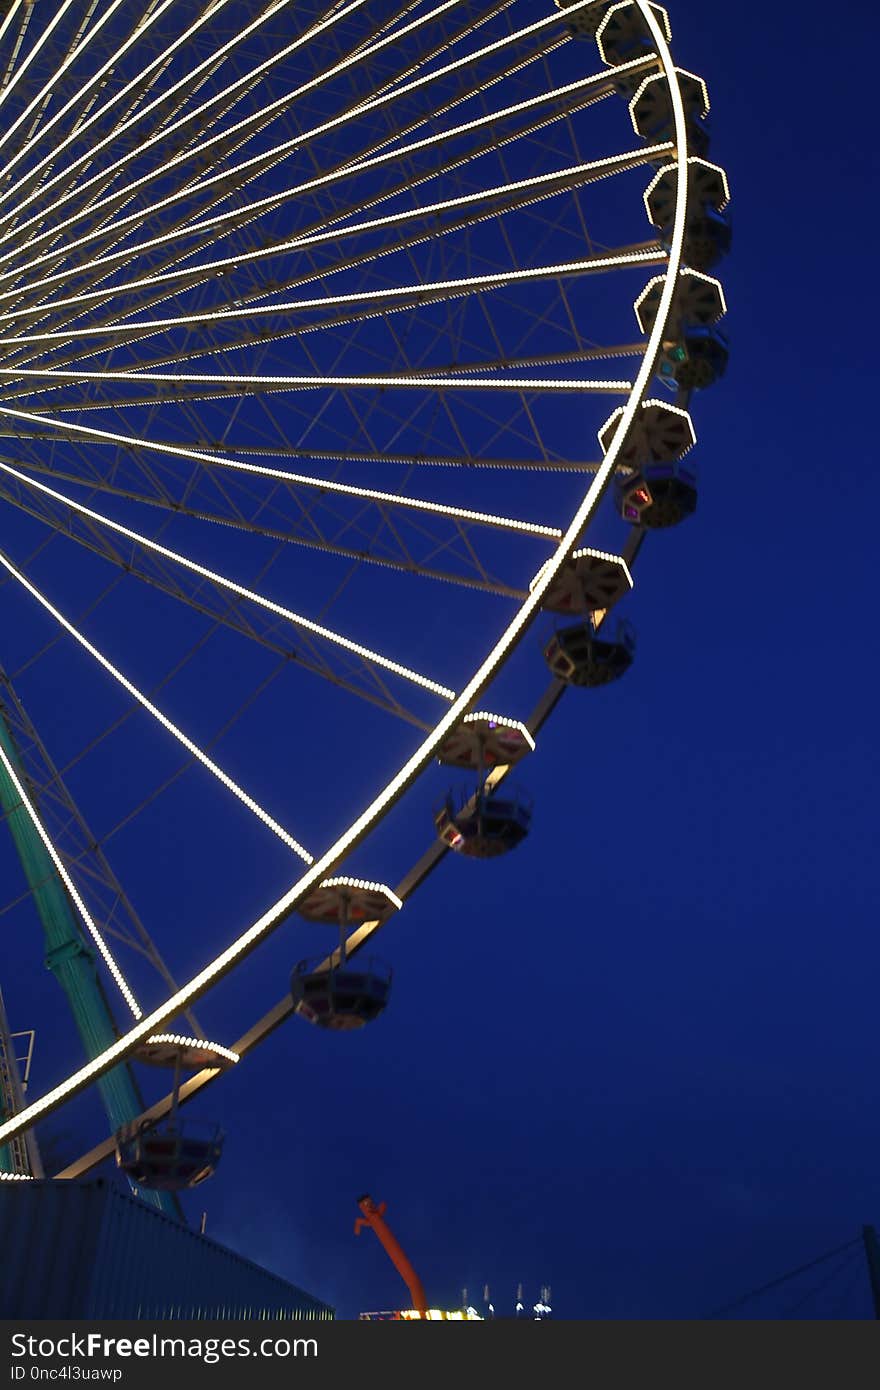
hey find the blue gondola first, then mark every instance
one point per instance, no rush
(580, 656)
(486, 825)
(168, 1155)
(343, 998)
(707, 238)
(697, 360)
(658, 495)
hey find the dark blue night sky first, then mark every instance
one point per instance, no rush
(636, 1060)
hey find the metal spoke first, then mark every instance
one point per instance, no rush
(297, 619)
(414, 568)
(192, 748)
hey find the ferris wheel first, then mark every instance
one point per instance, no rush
(339, 343)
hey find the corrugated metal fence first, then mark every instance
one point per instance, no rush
(90, 1250)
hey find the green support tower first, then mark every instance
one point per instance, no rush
(70, 959)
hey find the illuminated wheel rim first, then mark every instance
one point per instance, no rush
(58, 392)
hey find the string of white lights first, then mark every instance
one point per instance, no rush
(241, 384)
(302, 139)
(407, 460)
(11, 11)
(361, 55)
(301, 479)
(132, 95)
(86, 84)
(192, 748)
(297, 619)
(142, 146)
(319, 542)
(587, 265)
(19, 39)
(227, 187)
(69, 884)
(189, 273)
(226, 1054)
(11, 239)
(420, 292)
(75, 52)
(183, 39)
(279, 333)
(546, 185)
(45, 35)
(602, 82)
